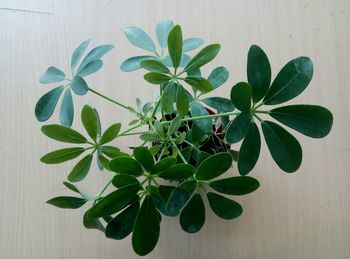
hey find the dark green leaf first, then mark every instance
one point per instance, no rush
(71, 187)
(79, 86)
(93, 223)
(46, 105)
(219, 103)
(214, 166)
(291, 81)
(223, 207)
(122, 225)
(201, 156)
(155, 66)
(178, 172)
(156, 78)
(146, 230)
(67, 202)
(121, 180)
(114, 201)
(144, 157)
(168, 97)
(199, 83)
(182, 101)
(139, 38)
(110, 133)
(241, 95)
(238, 128)
(184, 60)
(192, 217)
(179, 197)
(134, 63)
(174, 125)
(237, 185)
(63, 134)
(52, 75)
(67, 109)
(90, 121)
(175, 45)
(78, 53)
(259, 72)
(250, 149)
(206, 125)
(203, 57)
(163, 164)
(125, 165)
(284, 148)
(162, 30)
(62, 155)
(150, 137)
(90, 68)
(311, 120)
(94, 54)
(81, 169)
(191, 44)
(218, 77)
(160, 197)
(112, 152)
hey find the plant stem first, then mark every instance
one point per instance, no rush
(265, 112)
(180, 154)
(128, 130)
(133, 133)
(206, 116)
(102, 191)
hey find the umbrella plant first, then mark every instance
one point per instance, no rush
(186, 136)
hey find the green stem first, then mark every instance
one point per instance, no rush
(180, 154)
(258, 105)
(128, 130)
(102, 191)
(133, 133)
(156, 107)
(206, 116)
(265, 112)
(256, 116)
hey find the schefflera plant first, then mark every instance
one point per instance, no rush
(186, 139)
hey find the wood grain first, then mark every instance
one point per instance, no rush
(302, 215)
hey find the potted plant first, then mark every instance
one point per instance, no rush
(185, 137)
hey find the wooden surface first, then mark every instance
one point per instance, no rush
(302, 215)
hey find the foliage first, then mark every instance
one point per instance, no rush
(186, 143)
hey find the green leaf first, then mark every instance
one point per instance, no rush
(95, 54)
(52, 75)
(218, 77)
(224, 207)
(150, 137)
(63, 134)
(78, 53)
(219, 103)
(201, 156)
(139, 38)
(162, 30)
(93, 223)
(146, 230)
(238, 128)
(241, 95)
(122, 225)
(203, 57)
(311, 120)
(90, 68)
(199, 83)
(192, 217)
(144, 157)
(250, 150)
(163, 164)
(121, 180)
(45, 107)
(156, 78)
(175, 45)
(182, 101)
(90, 121)
(134, 63)
(174, 125)
(206, 125)
(71, 187)
(125, 165)
(110, 133)
(67, 109)
(79, 86)
(214, 166)
(259, 72)
(179, 197)
(184, 60)
(291, 81)
(81, 169)
(237, 185)
(67, 202)
(112, 152)
(168, 97)
(191, 44)
(155, 66)
(114, 202)
(62, 155)
(177, 172)
(158, 128)
(284, 148)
